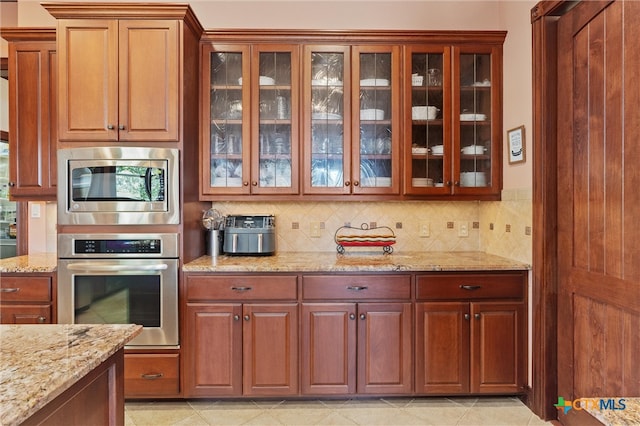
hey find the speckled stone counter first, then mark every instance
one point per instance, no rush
(355, 262)
(39, 362)
(630, 416)
(41, 262)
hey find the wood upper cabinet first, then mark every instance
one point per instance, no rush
(351, 129)
(32, 113)
(234, 349)
(119, 80)
(453, 124)
(470, 334)
(250, 135)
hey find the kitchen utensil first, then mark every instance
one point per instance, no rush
(212, 219)
(433, 75)
(416, 80)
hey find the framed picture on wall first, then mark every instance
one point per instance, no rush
(516, 145)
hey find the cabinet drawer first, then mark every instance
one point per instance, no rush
(25, 289)
(25, 314)
(149, 375)
(356, 287)
(472, 286)
(241, 287)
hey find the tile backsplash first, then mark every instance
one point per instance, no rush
(418, 225)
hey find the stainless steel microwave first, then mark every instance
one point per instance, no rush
(118, 186)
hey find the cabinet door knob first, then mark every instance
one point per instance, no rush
(476, 316)
(456, 183)
(363, 316)
(448, 183)
(110, 127)
(236, 317)
(467, 317)
(347, 183)
(12, 184)
(121, 127)
(352, 316)
(247, 317)
(254, 183)
(245, 183)
(356, 183)
(42, 320)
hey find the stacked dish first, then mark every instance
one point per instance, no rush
(419, 150)
(473, 117)
(473, 150)
(422, 182)
(371, 114)
(427, 112)
(437, 150)
(374, 82)
(473, 179)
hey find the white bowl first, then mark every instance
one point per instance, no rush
(473, 150)
(427, 112)
(473, 179)
(374, 82)
(371, 114)
(437, 150)
(266, 81)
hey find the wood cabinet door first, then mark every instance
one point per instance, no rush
(498, 352)
(328, 348)
(25, 314)
(148, 80)
(33, 120)
(270, 349)
(442, 347)
(384, 348)
(88, 79)
(213, 350)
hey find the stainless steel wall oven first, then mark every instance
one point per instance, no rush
(121, 279)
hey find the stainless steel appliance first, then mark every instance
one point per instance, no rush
(250, 235)
(118, 186)
(121, 279)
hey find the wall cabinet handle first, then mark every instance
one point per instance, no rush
(467, 317)
(121, 127)
(151, 376)
(357, 287)
(236, 317)
(356, 183)
(247, 317)
(470, 287)
(352, 316)
(245, 183)
(477, 316)
(12, 184)
(241, 288)
(9, 290)
(363, 316)
(110, 127)
(347, 183)
(254, 183)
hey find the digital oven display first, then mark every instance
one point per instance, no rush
(117, 246)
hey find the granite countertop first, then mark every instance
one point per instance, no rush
(39, 362)
(40, 262)
(355, 262)
(630, 415)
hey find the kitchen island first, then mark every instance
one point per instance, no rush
(71, 371)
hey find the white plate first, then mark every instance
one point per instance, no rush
(371, 114)
(473, 150)
(374, 82)
(325, 116)
(326, 83)
(473, 117)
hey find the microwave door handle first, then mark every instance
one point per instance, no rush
(101, 267)
(147, 183)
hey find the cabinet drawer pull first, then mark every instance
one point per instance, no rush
(470, 287)
(151, 376)
(9, 290)
(357, 287)
(42, 320)
(241, 288)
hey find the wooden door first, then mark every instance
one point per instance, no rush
(498, 350)
(88, 79)
(328, 348)
(33, 119)
(149, 85)
(384, 348)
(442, 347)
(598, 203)
(270, 348)
(213, 350)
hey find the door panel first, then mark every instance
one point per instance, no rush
(598, 202)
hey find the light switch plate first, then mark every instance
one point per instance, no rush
(35, 210)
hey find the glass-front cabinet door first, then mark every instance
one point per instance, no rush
(477, 133)
(427, 142)
(225, 149)
(326, 111)
(251, 142)
(375, 125)
(274, 99)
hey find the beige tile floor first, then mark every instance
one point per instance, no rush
(471, 411)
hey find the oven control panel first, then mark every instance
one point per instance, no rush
(117, 246)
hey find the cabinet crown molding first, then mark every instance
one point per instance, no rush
(28, 34)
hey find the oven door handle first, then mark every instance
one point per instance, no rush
(102, 267)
